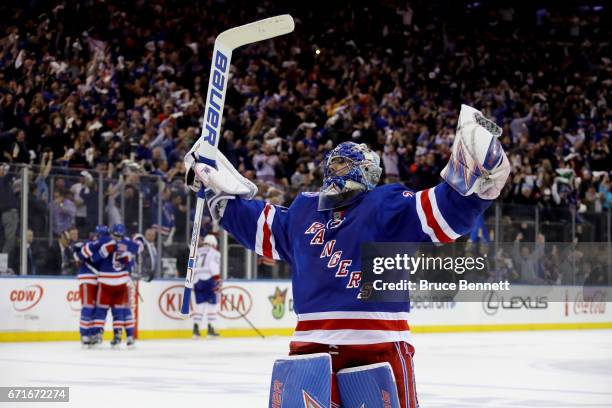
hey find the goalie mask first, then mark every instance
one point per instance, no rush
(348, 170)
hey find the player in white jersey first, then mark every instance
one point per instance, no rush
(207, 284)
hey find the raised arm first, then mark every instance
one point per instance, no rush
(475, 175)
(257, 225)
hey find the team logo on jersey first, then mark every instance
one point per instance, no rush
(336, 221)
(408, 194)
(278, 302)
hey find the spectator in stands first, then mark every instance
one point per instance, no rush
(148, 257)
(19, 150)
(81, 90)
(82, 193)
(63, 211)
(9, 216)
(527, 261)
(60, 259)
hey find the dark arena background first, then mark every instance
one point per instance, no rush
(100, 101)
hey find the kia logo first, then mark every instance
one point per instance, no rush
(27, 298)
(235, 302)
(170, 301)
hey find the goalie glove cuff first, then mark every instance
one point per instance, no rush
(478, 163)
(217, 203)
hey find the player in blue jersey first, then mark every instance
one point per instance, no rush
(86, 254)
(117, 260)
(320, 236)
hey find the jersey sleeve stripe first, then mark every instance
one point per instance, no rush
(423, 219)
(267, 233)
(425, 203)
(259, 233)
(86, 252)
(265, 244)
(439, 218)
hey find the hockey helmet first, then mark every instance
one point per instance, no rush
(118, 230)
(102, 230)
(210, 240)
(348, 170)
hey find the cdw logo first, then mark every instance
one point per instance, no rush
(26, 298)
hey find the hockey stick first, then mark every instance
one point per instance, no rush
(246, 319)
(225, 44)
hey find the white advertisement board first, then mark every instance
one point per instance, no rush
(48, 309)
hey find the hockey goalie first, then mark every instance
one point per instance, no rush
(347, 352)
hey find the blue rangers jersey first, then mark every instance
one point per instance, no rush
(323, 248)
(87, 254)
(117, 260)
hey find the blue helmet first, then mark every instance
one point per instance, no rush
(348, 170)
(118, 230)
(102, 230)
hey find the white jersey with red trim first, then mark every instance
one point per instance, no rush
(208, 263)
(323, 248)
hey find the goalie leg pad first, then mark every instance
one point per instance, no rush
(371, 386)
(301, 381)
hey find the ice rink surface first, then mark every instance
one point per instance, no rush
(570, 369)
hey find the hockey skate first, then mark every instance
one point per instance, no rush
(129, 342)
(196, 331)
(95, 340)
(116, 341)
(86, 342)
(212, 332)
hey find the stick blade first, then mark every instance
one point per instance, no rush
(257, 31)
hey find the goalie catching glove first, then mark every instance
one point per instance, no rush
(221, 184)
(478, 163)
(223, 179)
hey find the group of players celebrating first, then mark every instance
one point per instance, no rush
(106, 263)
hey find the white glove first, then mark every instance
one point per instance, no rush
(225, 178)
(478, 163)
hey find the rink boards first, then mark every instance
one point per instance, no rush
(44, 309)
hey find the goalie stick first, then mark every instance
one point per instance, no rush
(225, 43)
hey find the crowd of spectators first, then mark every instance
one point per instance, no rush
(117, 88)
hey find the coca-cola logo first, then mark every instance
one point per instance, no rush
(170, 301)
(73, 297)
(26, 298)
(591, 303)
(236, 302)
